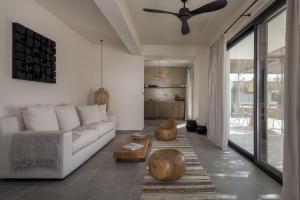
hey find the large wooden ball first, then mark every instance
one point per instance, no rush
(167, 165)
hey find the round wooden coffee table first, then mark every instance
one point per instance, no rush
(166, 165)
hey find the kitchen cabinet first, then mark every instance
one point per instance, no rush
(149, 110)
(166, 109)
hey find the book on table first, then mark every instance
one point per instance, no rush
(132, 146)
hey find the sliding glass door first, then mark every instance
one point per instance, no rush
(256, 90)
(271, 54)
(242, 93)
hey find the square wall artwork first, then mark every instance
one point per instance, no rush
(34, 56)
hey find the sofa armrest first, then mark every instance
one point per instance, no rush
(38, 133)
(111, 118)
(5, 145)
(6, 139)
(63, 135)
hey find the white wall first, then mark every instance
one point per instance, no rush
(78, 73)
(200, 56)
(123, 76)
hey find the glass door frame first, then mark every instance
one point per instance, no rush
(272, 11)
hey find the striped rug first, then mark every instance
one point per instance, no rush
(194, 185)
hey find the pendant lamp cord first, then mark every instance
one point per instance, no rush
(101, 63)
(159, 69)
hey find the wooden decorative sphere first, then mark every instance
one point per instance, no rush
(167, 131)
(167, 165)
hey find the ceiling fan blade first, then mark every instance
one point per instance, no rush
(213, 6)
(185, 29)
(159, 11)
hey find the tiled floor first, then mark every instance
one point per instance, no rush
(102, 178)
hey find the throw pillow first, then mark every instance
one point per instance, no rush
(40, 118)
(89, 114)
(67, 117)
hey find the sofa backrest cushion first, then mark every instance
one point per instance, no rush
(89, 114)
(102, 111)
(10, 125)
(40, 118)
(67, 117)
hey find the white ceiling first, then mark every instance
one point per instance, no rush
(166, 29)
(169, 63)
(84, 17)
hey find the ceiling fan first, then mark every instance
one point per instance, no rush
(185, 13)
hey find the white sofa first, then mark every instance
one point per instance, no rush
(73, 153)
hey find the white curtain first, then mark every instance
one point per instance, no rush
(218, 101)
(291, 166)
(189, 94)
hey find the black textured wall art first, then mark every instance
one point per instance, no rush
(34, 56)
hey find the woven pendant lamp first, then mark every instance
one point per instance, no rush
(160, 73)
(101, 96)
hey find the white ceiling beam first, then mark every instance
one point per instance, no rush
(118, 15)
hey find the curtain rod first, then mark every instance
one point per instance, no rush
(242, 15)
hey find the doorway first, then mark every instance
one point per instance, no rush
(168, 89)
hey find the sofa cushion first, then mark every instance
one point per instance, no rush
(86, 137)
(40, 118)
(89, 114)
(102, 111)
(67, 117)
(102, 127)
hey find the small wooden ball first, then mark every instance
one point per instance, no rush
(167, 131)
